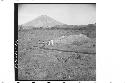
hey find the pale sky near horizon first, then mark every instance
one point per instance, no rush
(72, 14)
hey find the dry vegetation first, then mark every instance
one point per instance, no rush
(40, 61)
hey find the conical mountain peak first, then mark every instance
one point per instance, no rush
(43, 21)
(44, 16)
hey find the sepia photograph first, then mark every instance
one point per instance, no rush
(55, 41)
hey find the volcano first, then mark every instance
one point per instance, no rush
(43, 21)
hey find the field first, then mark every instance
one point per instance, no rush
(38, 60)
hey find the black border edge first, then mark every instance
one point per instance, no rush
(55, 3)
(16, 40)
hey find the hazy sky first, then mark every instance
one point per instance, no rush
(73, 14)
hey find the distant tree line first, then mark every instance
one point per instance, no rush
(90, 28)
(75, 27)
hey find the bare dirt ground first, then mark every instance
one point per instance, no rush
(39, 61)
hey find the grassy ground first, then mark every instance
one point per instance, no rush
(39, 61)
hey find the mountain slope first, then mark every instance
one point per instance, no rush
(43, 21)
